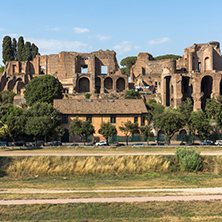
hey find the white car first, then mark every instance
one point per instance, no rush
(101, 143)
(219, 143)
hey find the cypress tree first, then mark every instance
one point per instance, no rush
(20, 49)
(35, 51)
(27, 52)
(7, 51)
(14, 47)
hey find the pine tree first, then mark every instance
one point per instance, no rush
(20, 49)
(14, 47)
(35, 51)
(27, 52)
(7, 51)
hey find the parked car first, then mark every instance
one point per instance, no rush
(219, 143)
(120, 144)
(182, 144)
(55, 143)
(20, 143)
(3, 143)
(75, 144)
(208, 143)
(138, 144)
(38, 143)
(101, 143)
(90, 144)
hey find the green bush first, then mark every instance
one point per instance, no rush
(188, 159)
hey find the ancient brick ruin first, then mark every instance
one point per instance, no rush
(96, 72)
(196, 75)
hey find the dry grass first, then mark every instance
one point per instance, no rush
(70, 166)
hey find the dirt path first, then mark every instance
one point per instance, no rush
(90, 153)
(215, 195)
(110, 200)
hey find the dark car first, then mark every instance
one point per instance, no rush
(38, 143)
(20, 143)
(182, 144)
(120, 144)
(3, 143)
(75, 144)
(55, 143)
(90, 144)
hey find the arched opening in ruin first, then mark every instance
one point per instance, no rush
(206, 89)
(206, 64)
(182, 135)
(199, 66)
(120, 84)
(221, 87)
(98, 84)
(84, 85)
(108, 83)
(42, 70)
(168, 78)
(187, 88)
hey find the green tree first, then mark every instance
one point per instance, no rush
(201, 124)
(20, 49)
(37, 127)
(168, 56)
(186, 108)
(7, 50)
(35, 51)
(2, 68)
(27, 52)
(153, 108)
(7, 96)
(128, 128)
(14, 48)
(54, 129)
(170, 121)
(127, 63)
(43, 89)
(16, 125)
(147, 132)
(107, 130)
(3, 129)
(80, 128)
(132, 94)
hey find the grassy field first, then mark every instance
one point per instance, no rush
(148, 211)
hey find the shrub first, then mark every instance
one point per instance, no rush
(188, 159)
(87, 96)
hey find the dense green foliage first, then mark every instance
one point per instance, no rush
(132, 94)
(147, 132)
(128, 128)
(43, 89)
(80, 128)
(127, 63)
(188, 159)
(107, 130)
(7, 49)
(170, 121)
(168, 56)
(21, 51)
(2, 68)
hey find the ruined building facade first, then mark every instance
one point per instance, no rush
(96, 72)
(197, 75)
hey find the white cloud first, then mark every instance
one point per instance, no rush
(53, 45)
(125, 46)
(158, 41)
(103, 37)
(79, 30)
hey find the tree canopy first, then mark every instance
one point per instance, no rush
(107, 130)
(132, 94)
(43, 89)
(7, 49)
(80, 128)
(127, 63)
(167, 56)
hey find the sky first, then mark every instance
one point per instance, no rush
(128, 27)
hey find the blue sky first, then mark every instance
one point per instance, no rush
(128, 27)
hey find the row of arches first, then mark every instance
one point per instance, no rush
(206, 88)
(107, 83)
